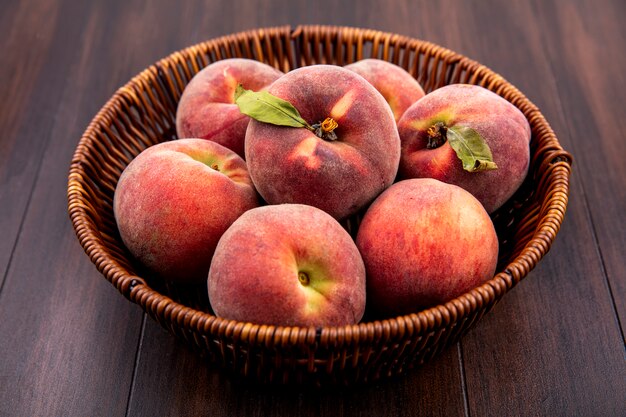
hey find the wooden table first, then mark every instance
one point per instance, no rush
(71, 345)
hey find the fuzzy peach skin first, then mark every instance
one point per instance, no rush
(175, 200)
(502, 125)
(293, 165)
(398, 87)
(206, 109)
(425, 242)
(288, 265)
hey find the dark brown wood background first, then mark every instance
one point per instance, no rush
(71, 345)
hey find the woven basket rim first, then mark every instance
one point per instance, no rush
(138, 290)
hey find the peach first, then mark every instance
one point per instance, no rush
(425, 242)
(296, 165)
(398, 87)
(501, 124)
(175, 200)
(206, 109)
(289, 265)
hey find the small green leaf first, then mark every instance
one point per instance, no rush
(264, 107)
(471, 148)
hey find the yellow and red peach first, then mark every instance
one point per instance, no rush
(502, 125)
(295, 165)
(206, 109)
(289, 265)
(425, 242)
(398, 87)
(175, 200)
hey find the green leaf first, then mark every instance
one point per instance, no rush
(264, 107)
(471, 148)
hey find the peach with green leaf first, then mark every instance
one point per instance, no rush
(206, 109)
(468, 136)
(398, 87)
(322, 136)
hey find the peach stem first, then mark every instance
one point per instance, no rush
(325, 129)
(436, 135)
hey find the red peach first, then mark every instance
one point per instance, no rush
(501, 124)
(175, 200)
(294, 165)
(289, 265)
(206, 109)
(398, 87)
(425, 242)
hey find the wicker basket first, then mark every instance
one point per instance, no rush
(142, 113)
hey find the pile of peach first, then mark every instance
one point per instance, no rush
(253, 207)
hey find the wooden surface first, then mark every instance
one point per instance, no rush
(71, 345)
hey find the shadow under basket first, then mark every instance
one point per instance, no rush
(142, 113)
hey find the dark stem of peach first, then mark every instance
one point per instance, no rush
(325, 129)
(436, 135)
(215, 167)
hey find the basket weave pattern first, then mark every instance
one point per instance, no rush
(142, 113)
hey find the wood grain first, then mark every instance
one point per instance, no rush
(72, 345)
(70, 338)
(593, 111)
(27, 67)
(164, 367)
